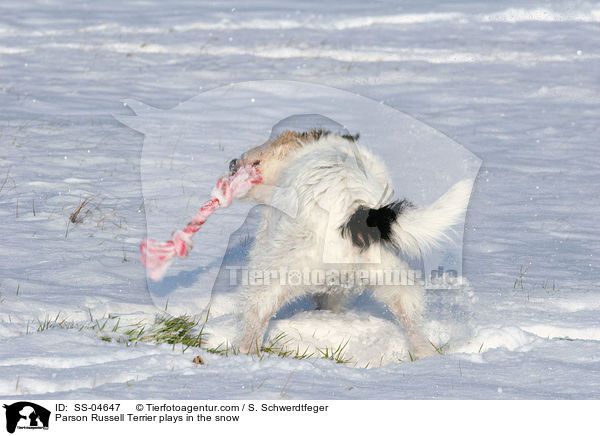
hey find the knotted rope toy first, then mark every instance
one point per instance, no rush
(158, 256)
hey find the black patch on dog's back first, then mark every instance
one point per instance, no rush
(348, 137)
(351, 138)
(367, 226)
(316, 134)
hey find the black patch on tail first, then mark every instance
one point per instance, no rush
(367, 226)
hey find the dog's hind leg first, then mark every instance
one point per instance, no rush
(407, 305)
(261, 304)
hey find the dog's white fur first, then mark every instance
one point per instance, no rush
(325, 180)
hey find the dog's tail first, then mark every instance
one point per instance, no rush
(417, 231)
(412, 230)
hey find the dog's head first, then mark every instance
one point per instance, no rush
(273, 156)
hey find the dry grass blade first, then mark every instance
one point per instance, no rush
(4, 182)
(79, 214)
(111, 217)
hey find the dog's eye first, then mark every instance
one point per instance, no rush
(255, 163)
(233, 165)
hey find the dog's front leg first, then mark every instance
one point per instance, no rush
(261, 304)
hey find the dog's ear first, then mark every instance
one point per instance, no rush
(367, 225)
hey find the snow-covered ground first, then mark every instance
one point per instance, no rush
(515, 83)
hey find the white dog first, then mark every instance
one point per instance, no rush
(333, 208)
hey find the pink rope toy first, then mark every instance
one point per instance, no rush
(158, 256)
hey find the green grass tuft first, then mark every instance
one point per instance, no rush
(278, 347)
(185, 330)
(337, 355)
(176, 330)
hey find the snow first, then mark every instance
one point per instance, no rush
(514, 83)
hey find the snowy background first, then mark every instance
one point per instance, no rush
(515, 83)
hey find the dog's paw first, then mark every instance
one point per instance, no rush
(249, 345)
(422, 350)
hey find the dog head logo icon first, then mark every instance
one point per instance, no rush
(26, 415)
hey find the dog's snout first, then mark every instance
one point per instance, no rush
(233, 166)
